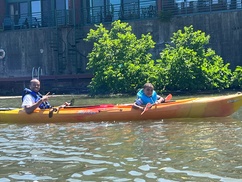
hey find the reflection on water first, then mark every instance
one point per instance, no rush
(170, 150)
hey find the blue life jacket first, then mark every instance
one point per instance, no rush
(37, 97)
(145, 99)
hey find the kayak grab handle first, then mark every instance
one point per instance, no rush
(106, 110)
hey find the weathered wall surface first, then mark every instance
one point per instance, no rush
(36, 47)
(225, 30)
(24, 50)
(2, 11)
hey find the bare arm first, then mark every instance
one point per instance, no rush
(138, 107)
(30, 109)
(160, 100)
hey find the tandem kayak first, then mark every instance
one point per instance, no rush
(217, 106)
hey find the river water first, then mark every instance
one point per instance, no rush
(164, 150)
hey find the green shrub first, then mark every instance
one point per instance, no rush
(186, 63)
(237, 78)
(120, 62)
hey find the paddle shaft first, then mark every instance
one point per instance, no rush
(149, 105)
(56, 109)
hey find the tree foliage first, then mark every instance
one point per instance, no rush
(237, 78)
(120, 61)
(187, 63)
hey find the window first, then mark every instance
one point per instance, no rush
(36, 13)
(147, 8)
(96, 10)
(130, 9)
(115, 7)
(61, 12)
(23, 8)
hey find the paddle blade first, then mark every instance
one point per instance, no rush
(72, 102)
(168, 98)
(51, 113)
(52, 110)
(147, 107)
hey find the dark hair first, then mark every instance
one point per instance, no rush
(33, 80)
(148, 85)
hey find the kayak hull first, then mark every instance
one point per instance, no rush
(219, 106)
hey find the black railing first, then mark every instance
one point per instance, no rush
(35, 20)
(129, 11)
(22, 21)
(201, 6)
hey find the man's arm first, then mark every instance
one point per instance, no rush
(30, 107)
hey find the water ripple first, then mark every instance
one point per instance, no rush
(167, 150)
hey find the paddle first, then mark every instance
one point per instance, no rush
(54, 109)
(72, 102)
(149, 105)
(168, 98)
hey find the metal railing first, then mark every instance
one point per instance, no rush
(203, 6)
(128, 11)
(35, 20)
(150, 9)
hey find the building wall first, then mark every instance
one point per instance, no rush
(224, 28)
(2, 11)
(49, 48)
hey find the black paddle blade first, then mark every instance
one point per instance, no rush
(51, 113)
(72, 102)
(52, 110)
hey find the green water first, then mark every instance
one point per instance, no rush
(166, 150)
(199, 149)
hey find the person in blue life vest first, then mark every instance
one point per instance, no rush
(147, 95)
(32, 99)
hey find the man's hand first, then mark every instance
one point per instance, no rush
(45, 97)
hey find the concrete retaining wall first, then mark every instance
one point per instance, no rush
(33, 48)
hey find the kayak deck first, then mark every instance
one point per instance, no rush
(219, 106)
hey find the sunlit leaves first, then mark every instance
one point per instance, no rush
(121, 62)
(190, 65)
(237, 78)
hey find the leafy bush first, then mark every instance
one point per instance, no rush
(186, 63)
(237, 78)
(120, 62)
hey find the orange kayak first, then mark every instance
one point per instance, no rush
(218, 106)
